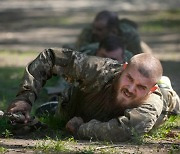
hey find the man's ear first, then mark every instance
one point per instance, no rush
(125, 65)
(153, 88)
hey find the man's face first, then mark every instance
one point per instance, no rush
(115, 54)
(132, 87)
(100, 30)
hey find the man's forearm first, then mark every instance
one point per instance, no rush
(104, 131)
(35, 76)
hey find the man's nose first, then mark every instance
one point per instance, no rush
(132, 88)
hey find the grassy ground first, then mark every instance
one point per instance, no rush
(161, 21)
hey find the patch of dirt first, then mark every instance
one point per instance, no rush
(28, 146)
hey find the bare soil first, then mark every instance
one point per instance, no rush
(27, 146)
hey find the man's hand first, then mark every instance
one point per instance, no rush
(73, 125)
(22, 107)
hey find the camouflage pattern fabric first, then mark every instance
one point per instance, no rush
(89, 97)
(126, 32)
(91, 49)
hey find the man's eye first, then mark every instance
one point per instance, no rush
(129, 78)
(142, 87)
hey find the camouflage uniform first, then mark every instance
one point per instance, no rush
(92, 48)
(127, 33)
(92, 78)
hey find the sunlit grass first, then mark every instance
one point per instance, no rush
(162, 21)
(48, 145)
(70, 145)
(16, 58)
(161, 26)
(3, 150)
(165, 130)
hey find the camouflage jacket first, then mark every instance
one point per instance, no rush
(127, 33)
(92, 77)
(92, 48)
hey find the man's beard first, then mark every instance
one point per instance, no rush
(125, 92)
(126, 99)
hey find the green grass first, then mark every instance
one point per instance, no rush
(10, 78)
(5, 129)
(53, 146)
(161, 25)
(3, 150)
(70, 145)
(165, 130)
(161, 21)
(52, 122)
(169, 130)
